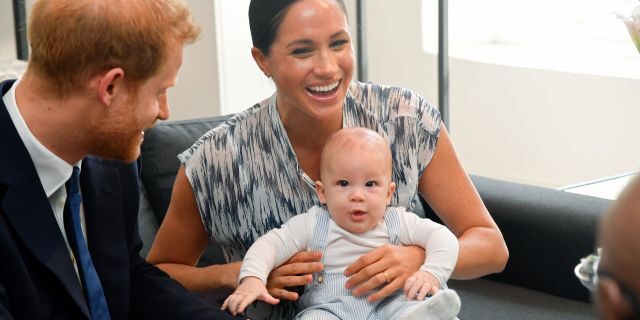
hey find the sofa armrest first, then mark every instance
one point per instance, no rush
(547, 231)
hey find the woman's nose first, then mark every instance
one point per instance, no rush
(326, 64)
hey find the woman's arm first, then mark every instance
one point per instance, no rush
(449, 191)
(181, 240)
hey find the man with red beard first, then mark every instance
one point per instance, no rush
(70, 132)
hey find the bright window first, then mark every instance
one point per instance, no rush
(582, 36)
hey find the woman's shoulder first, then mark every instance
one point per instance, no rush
(394, 101)
(239, 126)
(240, 122)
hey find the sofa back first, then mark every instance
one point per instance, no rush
(159, 156)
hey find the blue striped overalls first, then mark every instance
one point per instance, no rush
(326, 297)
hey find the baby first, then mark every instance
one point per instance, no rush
(355, 191)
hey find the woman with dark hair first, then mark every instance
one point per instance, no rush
(257, 170)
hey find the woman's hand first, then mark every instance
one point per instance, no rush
(295, 272)
(387, 267)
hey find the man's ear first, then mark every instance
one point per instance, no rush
(261, 61)
(110, 84)
(320, 191)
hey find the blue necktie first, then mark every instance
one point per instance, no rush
(92, 287)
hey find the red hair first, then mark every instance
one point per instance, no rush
(73, 40)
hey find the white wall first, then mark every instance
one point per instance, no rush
(542, 127)
(241, 81)
(7, 38)
(198, 89)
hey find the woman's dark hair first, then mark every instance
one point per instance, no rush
(265, 17)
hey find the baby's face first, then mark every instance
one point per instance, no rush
(357, 188)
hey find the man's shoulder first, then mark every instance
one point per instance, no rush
(122, 167)
(5, 86)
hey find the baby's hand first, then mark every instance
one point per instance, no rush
(250, 289)
(421, 284)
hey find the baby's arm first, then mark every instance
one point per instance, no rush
(263, 257)
(441, 248)
(250, 289)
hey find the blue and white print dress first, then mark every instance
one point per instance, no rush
(247, 180)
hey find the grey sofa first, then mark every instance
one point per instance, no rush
(547, 232)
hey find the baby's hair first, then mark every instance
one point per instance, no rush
(363, 139)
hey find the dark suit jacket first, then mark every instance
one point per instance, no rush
(37, 278)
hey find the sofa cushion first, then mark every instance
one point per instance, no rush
(488, 300)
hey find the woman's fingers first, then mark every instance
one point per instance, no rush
(387, 290)
(295, 269)
(266, 297)
(295, 272)
(387, 268)
(379, 279)
(289, 281)
(364, 268)
(283, 294)
(304, 262)
(353, 270)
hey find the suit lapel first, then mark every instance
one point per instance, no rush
(102, 200)
(28, 210)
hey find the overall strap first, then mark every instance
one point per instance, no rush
(319, 238)
(392, 220)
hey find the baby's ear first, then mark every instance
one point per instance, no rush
(320, 191)
(392, 189)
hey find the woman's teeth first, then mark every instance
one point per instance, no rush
(324, 89)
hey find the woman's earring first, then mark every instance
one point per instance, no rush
(267, 74)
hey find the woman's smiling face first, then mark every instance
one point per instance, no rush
(311, 59)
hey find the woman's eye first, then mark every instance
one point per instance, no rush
(370, 184)
(300, 51)
(343, 183)
(339, 43)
